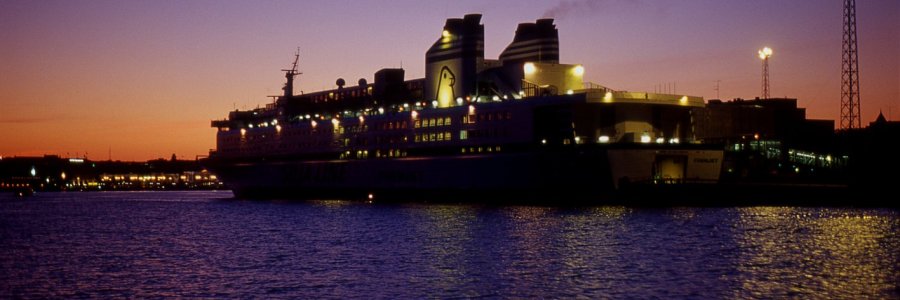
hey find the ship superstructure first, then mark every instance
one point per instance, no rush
(520, 125)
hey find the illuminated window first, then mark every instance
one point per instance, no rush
(440, 122)
(431, 122)
(463, 135)
(447, 121)
(440, 137)
(418, 123)
(432, 137)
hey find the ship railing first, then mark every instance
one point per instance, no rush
(594, 86)
(530, 89)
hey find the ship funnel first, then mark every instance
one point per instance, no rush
(452, 63)
(534, 42)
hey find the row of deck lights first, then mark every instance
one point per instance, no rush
(603, 139)
(370, 111)
(645, 139)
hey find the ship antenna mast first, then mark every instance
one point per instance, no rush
(289, 74)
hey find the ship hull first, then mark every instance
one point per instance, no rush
(486, 177)
(576, 175)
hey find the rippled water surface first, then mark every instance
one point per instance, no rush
(204, 244)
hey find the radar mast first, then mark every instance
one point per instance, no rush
(289, 74)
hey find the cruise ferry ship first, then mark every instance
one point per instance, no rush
(520, 127)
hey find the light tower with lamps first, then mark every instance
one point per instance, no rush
(764, 54)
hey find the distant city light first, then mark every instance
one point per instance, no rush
(569, 92)
(446, 33)
(660, 140)
(33, 172)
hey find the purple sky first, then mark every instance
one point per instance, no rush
(145, 77)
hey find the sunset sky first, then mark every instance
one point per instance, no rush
(144, 78)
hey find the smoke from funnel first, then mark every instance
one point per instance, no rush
(566, 7)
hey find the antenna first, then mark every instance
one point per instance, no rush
(717, 89)
(290, 74)
(850, 71)
(293, 70)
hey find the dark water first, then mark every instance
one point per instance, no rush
(202, 244)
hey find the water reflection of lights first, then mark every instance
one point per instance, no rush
(830, 253)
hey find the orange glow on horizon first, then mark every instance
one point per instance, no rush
(143, 80)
